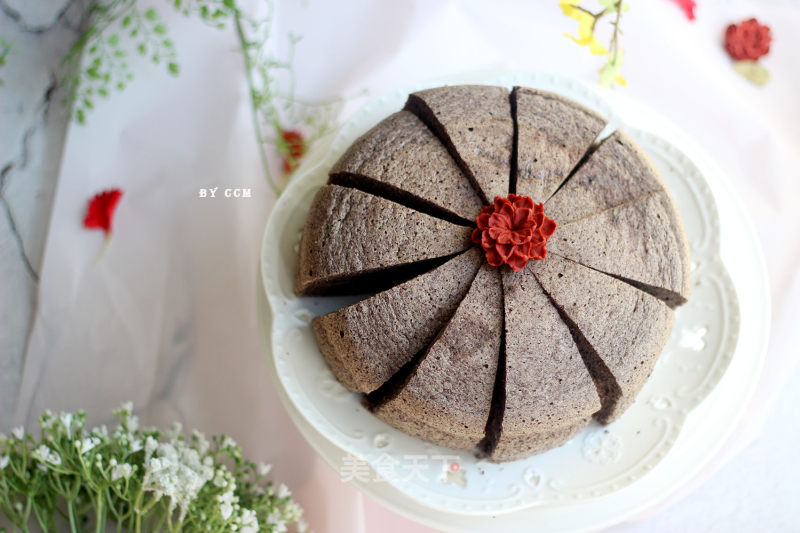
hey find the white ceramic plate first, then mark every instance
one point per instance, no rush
(597, 462)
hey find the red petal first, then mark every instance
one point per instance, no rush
(548, 227)
(501, 235)
(688, 7)
(493, 258)
(517, 261)
(522, 216)
(500, 220)
(476, 236)
(504, 250)
(293, 149)
(100, 211)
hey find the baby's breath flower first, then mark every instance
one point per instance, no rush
(46, 420)
(150, 445)
(203, 486)
(176, 472)
(276, 521)
(174, 432)
(46, 455)
(202, 442)
(225, 509)
(66, 421)
(83, 446)
(249, 522)
(122, 471)
(283, 491)
(263, 469)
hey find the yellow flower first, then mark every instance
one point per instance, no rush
(586, 23)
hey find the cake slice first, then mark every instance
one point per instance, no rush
(553, 134)
(446, 399)
(619, 329)
(474, 122)
(641, 242)
(400, 159)
(351, 237)
(545, 394)
(368, 342)
(617, 172)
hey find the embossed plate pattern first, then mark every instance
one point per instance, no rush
(597, 462)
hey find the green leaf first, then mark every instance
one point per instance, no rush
(126, 21)
(159, 29)
(113, 40)
(119, 53)
(753, 71)
(103, 92)
(88, 103)
(230, 4)
(79, 114)
(120, 86)
(168, 43)
(173, 68)
(142, 49)
(151, 14)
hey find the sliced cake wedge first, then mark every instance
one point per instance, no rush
(616, 173)
(474, 122)
(400, 159)
(545, 393)
(620, 330)
(366, 343)
(642, 242)
(351, 236)
(553, 134)
(446, 400)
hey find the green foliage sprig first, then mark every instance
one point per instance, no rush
(115, 28)
(71, 478)
(281, 121)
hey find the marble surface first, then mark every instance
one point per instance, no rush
(34, 127)
(177, 285)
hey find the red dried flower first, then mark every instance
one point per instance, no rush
(293, 150)
(747, 40)
(100, 211)
(688, 7)
(512, 231)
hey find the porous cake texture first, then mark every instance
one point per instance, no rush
(447, 398)
(471, 356)
(401, 159)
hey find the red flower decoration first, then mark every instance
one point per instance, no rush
(293, 150)
(513, 230)
(747, 40)
(687, 6)
(100, 212)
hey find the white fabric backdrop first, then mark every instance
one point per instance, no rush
(167, 317)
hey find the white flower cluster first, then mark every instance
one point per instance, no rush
(46, 455)
(195, 474)
(175, 470)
